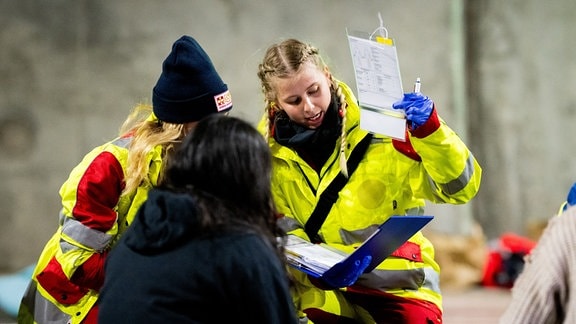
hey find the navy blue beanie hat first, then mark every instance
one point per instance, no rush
(189, 87)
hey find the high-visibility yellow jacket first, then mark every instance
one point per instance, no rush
(393, 178)
(70, 271)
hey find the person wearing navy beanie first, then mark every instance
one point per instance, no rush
(104, 191)
(189, 87)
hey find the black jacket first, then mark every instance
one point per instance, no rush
(161, 273)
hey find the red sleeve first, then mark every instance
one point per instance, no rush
(406, 148)
(91, 273)
(98, 192)
(429, 127)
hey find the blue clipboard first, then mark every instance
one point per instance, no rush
(386, 239)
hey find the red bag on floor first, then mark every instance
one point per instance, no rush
(506, 260)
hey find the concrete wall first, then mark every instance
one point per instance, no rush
(72, 69)
(522, 104)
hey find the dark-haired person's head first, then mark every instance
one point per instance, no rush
(226, 163)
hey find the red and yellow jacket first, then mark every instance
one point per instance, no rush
(393, 178)
(70, 270)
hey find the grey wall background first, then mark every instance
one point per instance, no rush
(500, 72)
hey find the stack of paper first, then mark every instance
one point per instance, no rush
(308, 256)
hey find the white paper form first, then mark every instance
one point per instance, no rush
(379, 85)
(315, 257)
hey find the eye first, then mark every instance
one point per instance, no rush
(294, 101)
(314, 90)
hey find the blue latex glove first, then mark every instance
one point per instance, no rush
(571, 199)
(417, 108)
(343, 276)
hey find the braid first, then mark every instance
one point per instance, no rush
(342, 111)
(310, 53)
(265, 73)
(270, 112)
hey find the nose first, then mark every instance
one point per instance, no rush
(308, 105)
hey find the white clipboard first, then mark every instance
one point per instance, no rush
(378, 82)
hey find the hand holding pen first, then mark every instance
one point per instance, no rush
(417, 107)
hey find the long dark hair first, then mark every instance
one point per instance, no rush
(225, 164)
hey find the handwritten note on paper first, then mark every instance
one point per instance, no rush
(379, 86)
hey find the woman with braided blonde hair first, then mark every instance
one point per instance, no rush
(311, 122)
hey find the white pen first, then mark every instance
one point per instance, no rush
(417, 85)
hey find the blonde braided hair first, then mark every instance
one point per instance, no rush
(284, 60)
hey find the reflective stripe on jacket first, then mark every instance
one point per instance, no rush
(93, 216)
(393, 178)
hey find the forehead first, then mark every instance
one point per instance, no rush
(307, 76)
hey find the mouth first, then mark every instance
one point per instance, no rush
(316, 120)
(315, 117)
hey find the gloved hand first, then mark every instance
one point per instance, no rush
(417, 108)
(343, 276)
(571, 199)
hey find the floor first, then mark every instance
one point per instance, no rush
(473, 306)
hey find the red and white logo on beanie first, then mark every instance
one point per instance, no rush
(223, 100)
